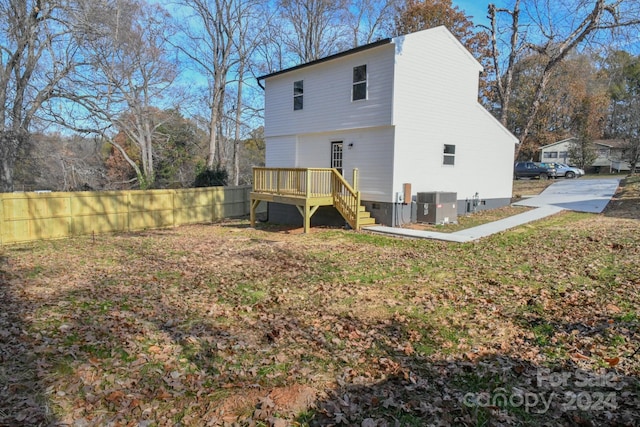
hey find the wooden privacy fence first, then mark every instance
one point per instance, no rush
(28, 217)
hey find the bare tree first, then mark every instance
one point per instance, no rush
(35, 54)
(209, 44)
(247, 41)
(271, 51)
(312, 28)
(368, 20)
(552, 30)
(126, 73)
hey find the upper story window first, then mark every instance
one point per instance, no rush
(359, 83)
(298, 90)
(449, 157)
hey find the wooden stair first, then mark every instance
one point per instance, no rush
(365, 217)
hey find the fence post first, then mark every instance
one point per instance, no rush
(72, 215)
(2, 221)
(173, 208)
(128, 193)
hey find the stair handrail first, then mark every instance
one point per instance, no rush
(347, 205)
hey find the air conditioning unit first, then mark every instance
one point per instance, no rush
(437, 207)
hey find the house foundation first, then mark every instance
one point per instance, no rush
(279, 213)
(388, 214)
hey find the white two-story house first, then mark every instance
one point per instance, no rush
(401, 111)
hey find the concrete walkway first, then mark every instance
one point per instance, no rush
(587, 195)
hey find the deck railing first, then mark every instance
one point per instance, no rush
(311, 183)
(346, 199)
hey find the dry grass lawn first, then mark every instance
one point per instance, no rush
(226, 325)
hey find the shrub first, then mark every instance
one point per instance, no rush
(212, 177)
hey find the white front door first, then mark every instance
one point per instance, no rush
(336, 155)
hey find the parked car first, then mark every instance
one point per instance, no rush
(533, 170)
(564, 170)
(568, 171)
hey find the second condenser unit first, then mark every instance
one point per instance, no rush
(437, 207)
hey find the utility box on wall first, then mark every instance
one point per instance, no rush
(437, 207)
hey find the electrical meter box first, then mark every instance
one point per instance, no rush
(437, 207)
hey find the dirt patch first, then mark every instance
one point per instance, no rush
(266, 405)
(626, 202)
(529, 187)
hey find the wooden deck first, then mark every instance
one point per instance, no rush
(308, 189)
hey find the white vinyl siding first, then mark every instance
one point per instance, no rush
(371, 153)
(434, 76)
(327, 95)
(435, 104)
(557, 151)
(483, 159)
(280, 152)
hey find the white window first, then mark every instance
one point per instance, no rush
(298, 91)
(550, 155)
(359, 83)
(449, 155)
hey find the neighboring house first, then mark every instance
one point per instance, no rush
(558, 152)
(402, 111)
(610, 154)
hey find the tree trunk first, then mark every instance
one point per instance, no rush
(149, 170)
(533, 111)
(504, 83)
(6, 172)
(236, 142)
(213, 132)
(214, 123)
(10, 143)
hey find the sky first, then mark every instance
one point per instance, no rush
(476, 8)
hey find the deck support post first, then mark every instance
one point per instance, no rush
(252, 211)
(307, 212)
